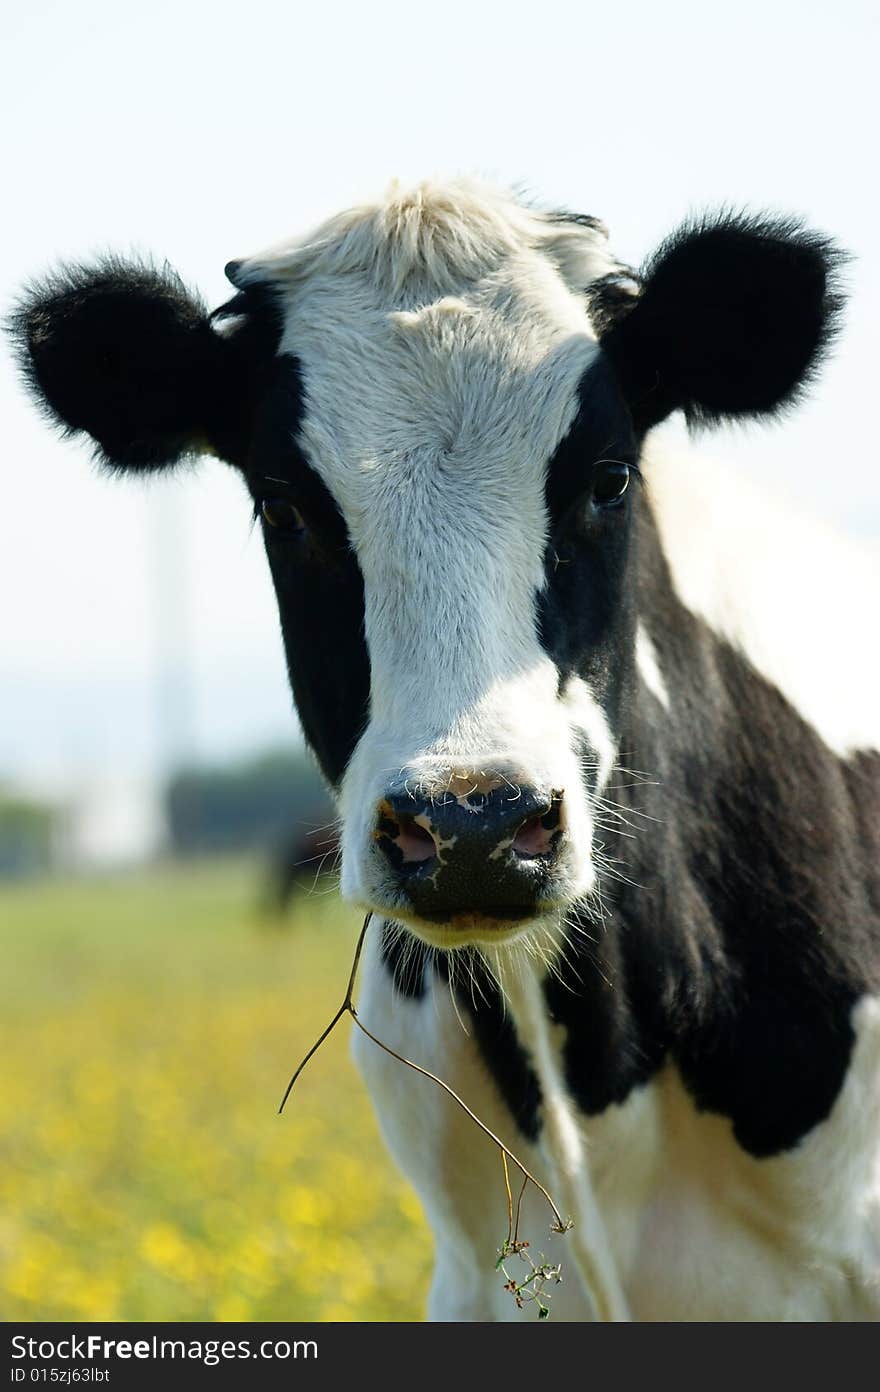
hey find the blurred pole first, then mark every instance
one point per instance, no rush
(174, 653)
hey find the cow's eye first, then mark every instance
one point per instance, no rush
(610, 484)
(282, 516)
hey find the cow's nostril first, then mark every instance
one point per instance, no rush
(534, 839)
(415, 842)
(404, 837)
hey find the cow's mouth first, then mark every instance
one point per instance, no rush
(486, 927)
(503, 915)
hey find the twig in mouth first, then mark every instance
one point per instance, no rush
(512, 1243)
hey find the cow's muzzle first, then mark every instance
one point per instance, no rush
(483, 846)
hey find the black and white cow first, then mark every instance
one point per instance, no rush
(601, 723)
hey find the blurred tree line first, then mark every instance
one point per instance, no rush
(257, 803)
(26, 835)
(275, 802)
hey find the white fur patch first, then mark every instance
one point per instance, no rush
(714, 1234)
(649, 667)
(798, 600)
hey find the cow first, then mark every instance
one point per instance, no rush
(601, 722)
(296, 867)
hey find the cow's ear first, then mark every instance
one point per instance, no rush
(124, 352)
(731, 321)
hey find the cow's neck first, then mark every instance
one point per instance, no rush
(735, 900)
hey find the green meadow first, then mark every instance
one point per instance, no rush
(149, 1025)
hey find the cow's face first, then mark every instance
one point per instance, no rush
(444, 458)
(424, 523)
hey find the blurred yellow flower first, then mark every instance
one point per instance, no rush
(151, 1027)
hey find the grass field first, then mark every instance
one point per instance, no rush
(149, 1025)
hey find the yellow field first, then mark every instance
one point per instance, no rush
(149, 1025)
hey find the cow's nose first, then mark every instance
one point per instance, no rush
(486, 846)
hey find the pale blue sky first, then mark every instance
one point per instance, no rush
(201, 131)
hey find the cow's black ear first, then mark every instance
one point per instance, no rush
(732, 320)
(123, 351)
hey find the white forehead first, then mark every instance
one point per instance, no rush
(440, 331)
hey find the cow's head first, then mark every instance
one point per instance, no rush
(437, 404)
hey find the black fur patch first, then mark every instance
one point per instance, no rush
(408, 960)
(585, 613)
(733, 318)
(317, 579)
(250, 328)
(123, 351)
(505, 1057)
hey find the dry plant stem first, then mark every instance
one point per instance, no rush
(519, 1210)
(512, 1222)
(509, 1200)
(347, 1008)
(560, 1224)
